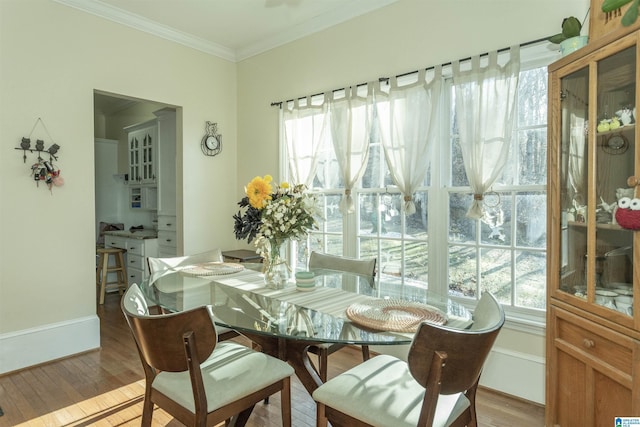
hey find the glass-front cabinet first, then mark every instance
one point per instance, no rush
(596, 248)
(142, 146)
(593, 322)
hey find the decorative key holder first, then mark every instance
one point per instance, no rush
(42, 170)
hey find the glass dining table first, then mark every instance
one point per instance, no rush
(342, 308)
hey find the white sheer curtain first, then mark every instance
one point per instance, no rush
(305, 129)
(575, 114)
(408, 117)
(351, 118)
(485, 100)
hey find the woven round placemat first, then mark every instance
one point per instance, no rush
(394, 315)
(212, 269)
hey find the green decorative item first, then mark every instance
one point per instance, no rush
(570, 39)
(630, 16)
(571, 27)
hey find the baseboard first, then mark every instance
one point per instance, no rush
(514, 373)
(45, 343)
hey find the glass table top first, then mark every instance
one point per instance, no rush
(241, 301)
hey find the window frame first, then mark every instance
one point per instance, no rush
(438, 192)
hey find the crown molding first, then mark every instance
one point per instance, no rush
(139, 23)
(329, 19)
(349, 11)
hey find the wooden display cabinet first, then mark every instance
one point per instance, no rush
(593, 294)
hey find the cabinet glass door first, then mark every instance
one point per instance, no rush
(574, 182)
(600, 206)
(616, 213)
(134, 158)
(148, 161)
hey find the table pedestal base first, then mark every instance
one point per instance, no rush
(295, 353)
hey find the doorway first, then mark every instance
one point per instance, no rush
(113, 114)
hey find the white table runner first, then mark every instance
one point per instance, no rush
(323, 299)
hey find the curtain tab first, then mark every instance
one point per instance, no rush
(475, 62)
(493, 58)
(437, 72)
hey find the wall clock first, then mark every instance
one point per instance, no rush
(212, 142)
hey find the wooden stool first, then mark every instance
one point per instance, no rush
(104, 269)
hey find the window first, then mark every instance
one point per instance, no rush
(505, 255)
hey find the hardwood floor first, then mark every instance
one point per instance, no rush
(105, 388)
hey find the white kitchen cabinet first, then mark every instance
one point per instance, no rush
(141, 197)
(142, 147)
(167, 236)
(115, 241)
(166, 127)
(136, 257)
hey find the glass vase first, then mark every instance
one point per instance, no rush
(276, 270)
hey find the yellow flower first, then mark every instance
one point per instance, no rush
(259, 191)
(284, 185)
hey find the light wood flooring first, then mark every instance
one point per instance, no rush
(105, 388)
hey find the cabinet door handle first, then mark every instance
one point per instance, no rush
(169, 225)
(588, 343)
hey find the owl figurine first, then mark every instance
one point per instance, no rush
(628, 213)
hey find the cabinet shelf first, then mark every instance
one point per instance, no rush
(600, 226)
(621, 129)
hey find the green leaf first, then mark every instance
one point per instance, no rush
(557, 39)
(611, 5)
(631, 14)
(571, 26)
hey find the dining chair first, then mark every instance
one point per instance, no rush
(193, 377)
(160, 265)
(176, 263)
(364, 267)
(436, 386)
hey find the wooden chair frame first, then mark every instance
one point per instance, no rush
(443, 361)
(157, 266)
(365, 267)
(180, 342)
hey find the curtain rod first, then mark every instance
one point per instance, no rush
(381, 79)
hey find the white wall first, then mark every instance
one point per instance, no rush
(53, 57)
(402, 37)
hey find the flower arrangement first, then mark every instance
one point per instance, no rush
(271, 214)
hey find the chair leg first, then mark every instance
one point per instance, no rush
(147, 412)
(365, 353)
(122, 275)
(321, 419)
(103, 279)
(243, 416)
(323, 361)
(471, 395)
(99, 269)
(285, 402)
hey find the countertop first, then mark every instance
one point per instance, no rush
(137, 234)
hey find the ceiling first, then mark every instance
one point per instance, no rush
(231, 29)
